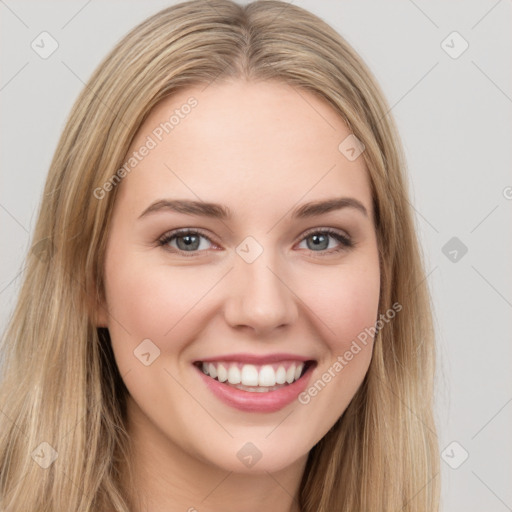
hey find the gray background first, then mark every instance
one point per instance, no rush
(455, 117)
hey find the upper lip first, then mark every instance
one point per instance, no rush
(255, 359)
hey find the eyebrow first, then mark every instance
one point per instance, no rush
(218, 211)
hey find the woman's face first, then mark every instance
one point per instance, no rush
(253, 289)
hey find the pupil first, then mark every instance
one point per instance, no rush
(190, 242)
(318, 241)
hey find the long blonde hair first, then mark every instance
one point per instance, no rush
(61, 389)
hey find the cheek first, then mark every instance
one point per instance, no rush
(345, 304)
(345, 301)
(152, 302)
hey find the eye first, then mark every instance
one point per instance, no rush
(319, 240)
(193, 241)
(185, 240)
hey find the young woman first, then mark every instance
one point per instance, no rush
(225, 305)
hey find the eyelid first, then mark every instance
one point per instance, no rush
(346, 241)
(330, 231)
(166, 237)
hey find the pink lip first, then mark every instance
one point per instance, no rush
(270, 401)
(256, 359)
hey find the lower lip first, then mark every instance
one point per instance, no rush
(269, 401)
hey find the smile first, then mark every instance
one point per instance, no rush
(251, 377)
(254, 386)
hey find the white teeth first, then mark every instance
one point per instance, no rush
(281, 375)
(267, 376)
(290, 374)
(298, 370)
(250, 375)
(212, 371)
(222, 373)
(234, 374)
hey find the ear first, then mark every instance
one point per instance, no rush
(99, 311)
(100, 317)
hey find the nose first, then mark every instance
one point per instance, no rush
(260, 299)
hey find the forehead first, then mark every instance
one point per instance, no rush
(243, 143)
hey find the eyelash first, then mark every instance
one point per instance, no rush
(345, 241)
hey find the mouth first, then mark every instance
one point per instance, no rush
(255, 378)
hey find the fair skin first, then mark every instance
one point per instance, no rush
(261, 150)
